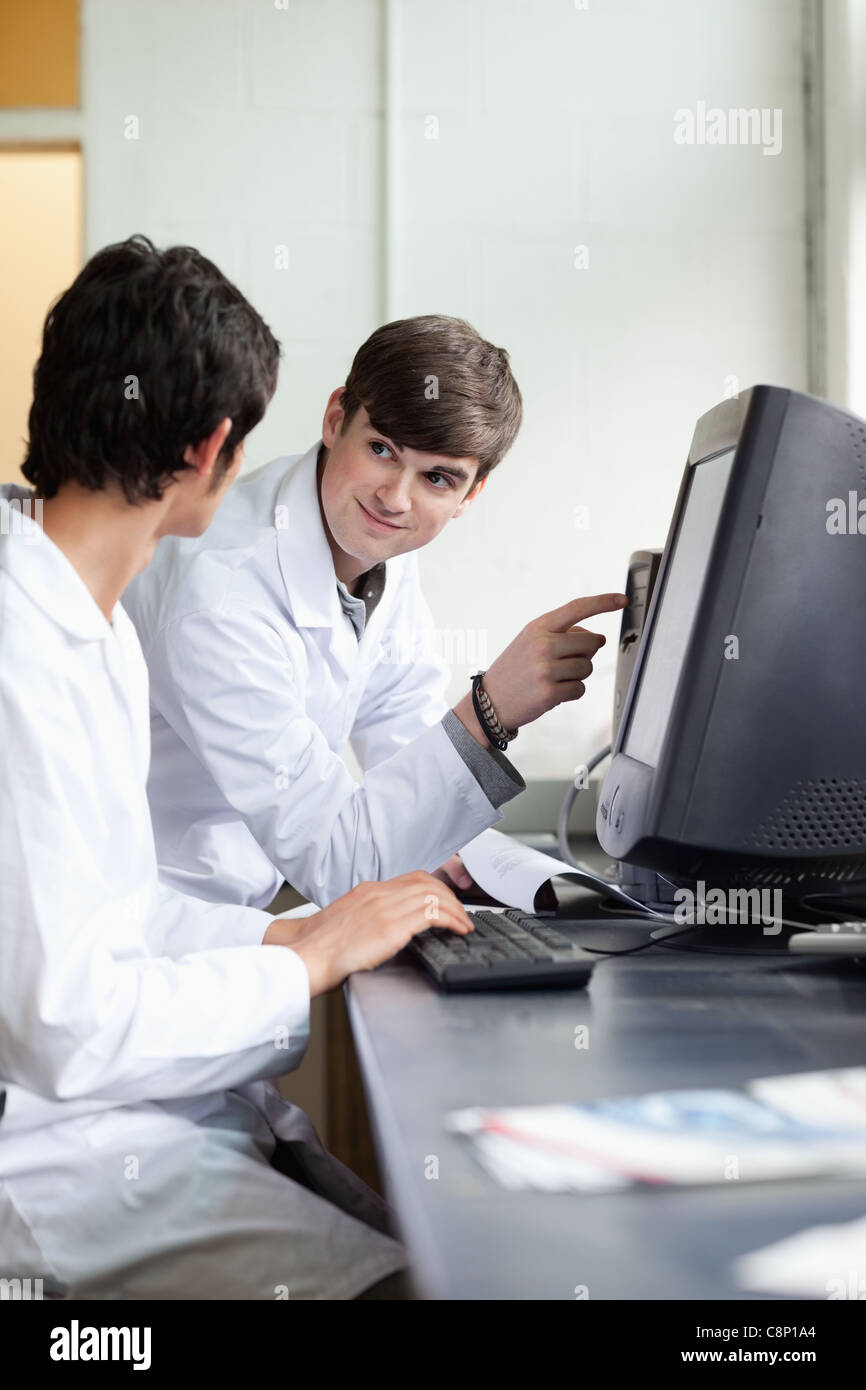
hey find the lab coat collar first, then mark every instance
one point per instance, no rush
(306, 562)
(42, 570)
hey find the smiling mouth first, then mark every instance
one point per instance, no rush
(377, 521)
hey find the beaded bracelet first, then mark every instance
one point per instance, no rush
(487, 717)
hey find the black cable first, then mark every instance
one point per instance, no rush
(837, 905)
(644, 913)
(644, 946)
(569, 800)
(723, 951)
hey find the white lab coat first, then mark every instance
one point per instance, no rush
(257, 682)
(139, 1029)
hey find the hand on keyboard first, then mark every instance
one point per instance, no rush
(507, 949)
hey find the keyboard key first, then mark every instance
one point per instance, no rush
(502, 953)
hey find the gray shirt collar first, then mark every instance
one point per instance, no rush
(371, 587)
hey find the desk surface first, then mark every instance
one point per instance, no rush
(663, 1018)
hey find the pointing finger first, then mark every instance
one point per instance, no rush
(560, 619)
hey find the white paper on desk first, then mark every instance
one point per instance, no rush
(750, 1134)
(516, 875)
(821, 1262)
(508, 870)
(837, 1098)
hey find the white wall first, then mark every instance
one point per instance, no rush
(261, 126)
(258, 129)
(556, 132)
(845, 249)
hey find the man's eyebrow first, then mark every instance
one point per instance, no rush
(371, 429)
(452, 470)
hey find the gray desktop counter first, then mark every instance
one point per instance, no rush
(663, 1018)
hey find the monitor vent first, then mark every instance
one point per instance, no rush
(818, 871)
(858, 440)
(825, 813)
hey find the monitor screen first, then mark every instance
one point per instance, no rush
(676, 608)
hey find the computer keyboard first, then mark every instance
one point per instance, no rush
(507, 950)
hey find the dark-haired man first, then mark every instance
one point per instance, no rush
(296, 623)
(140, 1029)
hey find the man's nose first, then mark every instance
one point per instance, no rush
(394, 495)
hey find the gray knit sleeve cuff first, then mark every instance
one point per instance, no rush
(497, 777)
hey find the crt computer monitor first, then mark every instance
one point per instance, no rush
(740, 757)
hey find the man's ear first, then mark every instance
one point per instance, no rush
(333, 418)
(474, 491)
(203, 456)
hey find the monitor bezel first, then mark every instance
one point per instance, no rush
(657, 798)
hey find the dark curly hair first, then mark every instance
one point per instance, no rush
(142, 356)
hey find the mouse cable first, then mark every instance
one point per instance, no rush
(632, 950)
(570, 798)
(690, 927)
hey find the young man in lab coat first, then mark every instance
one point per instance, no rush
(296, 624)
(140, 1029)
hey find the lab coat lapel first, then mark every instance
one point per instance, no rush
(307, 565)
(304, 556)
(343, 651)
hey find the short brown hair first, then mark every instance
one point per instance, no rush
(433, 384)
